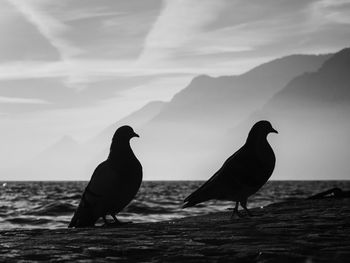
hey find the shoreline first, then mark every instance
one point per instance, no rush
(292, 231)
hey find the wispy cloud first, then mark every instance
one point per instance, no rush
(331, 11)
(85, 71)
(22, 100)
(83, 14)
(177, 24)
(188, 37)
(34, 11)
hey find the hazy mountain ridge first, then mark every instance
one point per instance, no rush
(193, 128)
(70, 158)
(136, 119)
(174, 143)
(312, 114)
(329, 85)
(211, 99)
(65, 143)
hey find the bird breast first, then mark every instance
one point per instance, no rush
(266, 156)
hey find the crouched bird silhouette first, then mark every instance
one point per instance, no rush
(242, 174)
(113, 184)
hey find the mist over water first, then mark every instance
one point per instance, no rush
(52, 204)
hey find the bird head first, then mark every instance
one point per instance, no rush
(124, 133)
(261, 128)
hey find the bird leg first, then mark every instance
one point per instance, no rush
(117, 222)
(105, 220)
(244, 205)
(235, 211)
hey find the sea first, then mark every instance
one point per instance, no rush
(42, 204)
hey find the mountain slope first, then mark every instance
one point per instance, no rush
(216, 100)
(63, 160)
(185, 139)
(135, 119)
(329, 86)
(312, 114)
(67, 159)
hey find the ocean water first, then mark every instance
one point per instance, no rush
(52, 204)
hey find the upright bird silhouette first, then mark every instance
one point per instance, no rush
(242, 174)
(113, 184)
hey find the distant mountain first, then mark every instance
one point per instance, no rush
(65, 144)
(62, 159)
(230, 98)
(185, 138)
(143, 115)
(312, 114)
(329, 86)
(99, 145)
(67, 159)
(306, 98)
(136, 119)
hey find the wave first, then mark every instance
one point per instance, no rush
(51, 204)
(53, 209)
(145, 209)
(28, 220)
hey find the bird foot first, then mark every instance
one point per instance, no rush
(235, 212)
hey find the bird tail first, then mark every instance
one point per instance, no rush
(189, 204)
(83, 216)
(195, 198)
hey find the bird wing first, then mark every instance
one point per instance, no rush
(84, 215)
(207, 190)
(107, 191)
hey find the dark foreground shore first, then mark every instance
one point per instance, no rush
(295, 231)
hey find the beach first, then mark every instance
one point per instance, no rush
(294, 231)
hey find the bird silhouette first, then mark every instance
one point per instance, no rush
(113, 184)
(242, 174)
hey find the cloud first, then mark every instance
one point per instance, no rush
(47, 94)
(34, 11)
(110, 30)
(330, 11)
(178, 22)
(187, 37)
(84, 14)
(217, 49)
(162, 88)
(272, 30)
(87, 71)
(22, 100)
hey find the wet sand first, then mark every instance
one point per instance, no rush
(294, 231)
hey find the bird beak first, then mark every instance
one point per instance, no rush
(136, 135)
(274, 131)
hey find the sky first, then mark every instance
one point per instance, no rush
(74, 67)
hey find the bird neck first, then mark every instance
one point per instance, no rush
(119, 149)
(256, 139)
